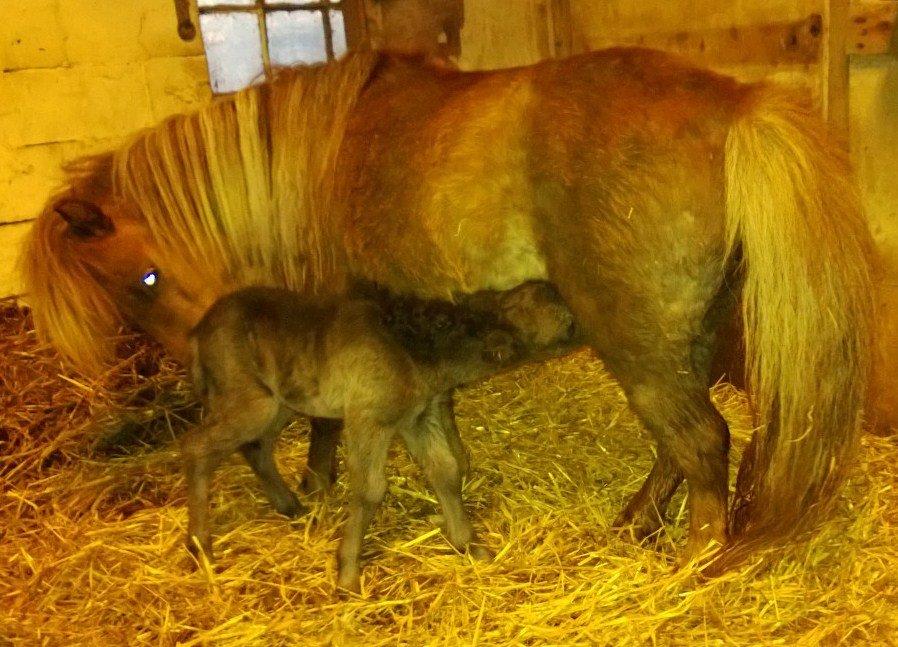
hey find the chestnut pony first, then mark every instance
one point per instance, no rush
(654, 196)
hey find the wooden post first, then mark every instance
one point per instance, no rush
(835, 64)
(355, 18)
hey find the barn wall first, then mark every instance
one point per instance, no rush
(503, 34)
(874, 149)
(77, 76)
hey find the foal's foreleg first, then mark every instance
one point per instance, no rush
(444, 409)
(321, 466)
(367, 444)
(436, 446)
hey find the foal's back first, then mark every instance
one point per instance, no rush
(311, 354)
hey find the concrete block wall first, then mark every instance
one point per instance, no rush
(77, 77)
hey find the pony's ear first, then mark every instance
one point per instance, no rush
(86, 220)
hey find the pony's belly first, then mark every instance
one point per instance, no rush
(509, 261)
(442, 271)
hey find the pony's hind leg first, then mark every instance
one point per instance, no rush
(649, 322)
(644, 513)
(226, 428)
(367, 444)
(694, 442)
(321, 466)
(436, 446)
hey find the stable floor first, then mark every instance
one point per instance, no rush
(92, 519)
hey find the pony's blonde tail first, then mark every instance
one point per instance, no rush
(794, 217)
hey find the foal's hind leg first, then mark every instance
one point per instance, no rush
(227, 428)
(367, 444)
(321, 466)
(260, 456)
(436, 446)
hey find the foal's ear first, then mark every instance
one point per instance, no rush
(85, 219)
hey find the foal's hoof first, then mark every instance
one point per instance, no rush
(480, 553)
(199, 548)
(348, 586)
(291, 506)
(315, 485)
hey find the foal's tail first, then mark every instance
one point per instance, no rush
(794, 215)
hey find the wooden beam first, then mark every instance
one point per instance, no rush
(872, 27)
(836, 64)
(794, 42)
(561, 31)
(355, 18)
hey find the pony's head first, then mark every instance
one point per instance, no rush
(92, 265)
(234, 194)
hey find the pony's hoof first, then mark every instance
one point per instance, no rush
(702, 557)
(642, 530)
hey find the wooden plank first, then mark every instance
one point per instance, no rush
(542, 24)
(428, 26)
(791, 42)
(12, 240)
(561, 28)
(872, 27)
(355, 18)
(835, 64)
(501, 34)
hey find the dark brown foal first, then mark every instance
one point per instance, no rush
(384, 366)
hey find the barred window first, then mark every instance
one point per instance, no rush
(246, 39)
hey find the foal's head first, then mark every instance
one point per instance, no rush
(534, 312)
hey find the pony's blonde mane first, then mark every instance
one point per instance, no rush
(242, 188)
(238, 191)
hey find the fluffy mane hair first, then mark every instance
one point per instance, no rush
(240, 189)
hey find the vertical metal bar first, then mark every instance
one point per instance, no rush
(263, 32)
(328, 34)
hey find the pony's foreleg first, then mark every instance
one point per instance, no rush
(321, 466)
(644, 514)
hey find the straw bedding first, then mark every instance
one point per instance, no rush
(93, 516)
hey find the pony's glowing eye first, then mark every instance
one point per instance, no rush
(150, 278)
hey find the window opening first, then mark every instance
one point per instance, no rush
(246, 39)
